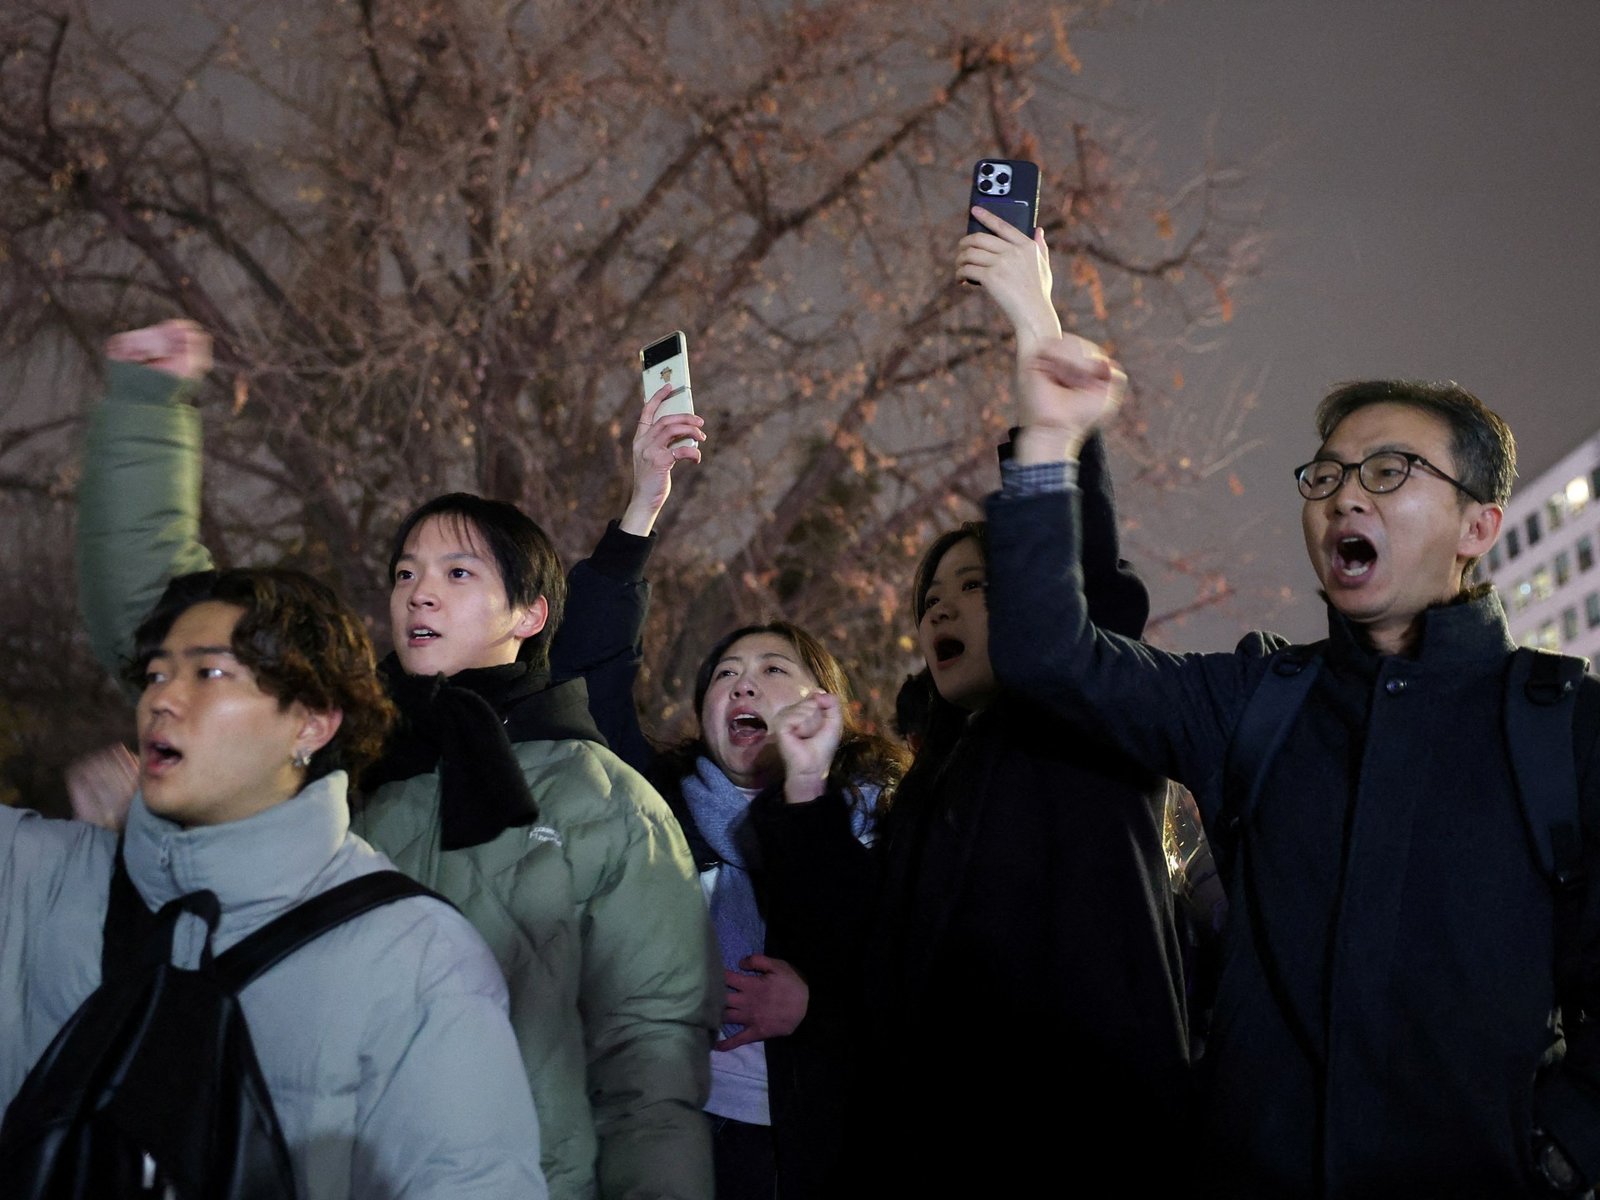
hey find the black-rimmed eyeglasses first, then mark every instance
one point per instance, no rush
(1379, 473)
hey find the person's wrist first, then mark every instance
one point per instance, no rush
(1036, 444)
(1034, 329)
(639, 518)
(804, 788)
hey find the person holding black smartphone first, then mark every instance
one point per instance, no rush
(1023, 1013)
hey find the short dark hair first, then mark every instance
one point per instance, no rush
(928, 567)
(300, 641)
(527, 559)
(1481, 444)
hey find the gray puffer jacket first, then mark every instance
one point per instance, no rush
(385, 1043)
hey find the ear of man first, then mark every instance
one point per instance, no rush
(532, 620)
(317, 729)
(1480, 529)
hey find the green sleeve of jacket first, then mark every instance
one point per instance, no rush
(138, 504)
(652, 1000)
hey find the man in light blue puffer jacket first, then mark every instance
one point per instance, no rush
(385, 1043)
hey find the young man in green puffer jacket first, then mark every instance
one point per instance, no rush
(498, 791)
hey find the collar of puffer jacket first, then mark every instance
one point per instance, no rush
(257, 867)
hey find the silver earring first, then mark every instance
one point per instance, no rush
(301, 759)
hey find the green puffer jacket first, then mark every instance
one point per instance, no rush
(579, 913)
(593, 912)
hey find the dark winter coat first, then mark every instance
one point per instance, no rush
(1384, 1034)
(1023, 983)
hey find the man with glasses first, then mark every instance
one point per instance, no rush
(1387, 1021)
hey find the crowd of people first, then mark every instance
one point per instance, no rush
(792, 957)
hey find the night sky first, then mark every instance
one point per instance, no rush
(1430, 171)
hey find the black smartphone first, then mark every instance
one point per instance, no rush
(664, 367)
(1007, 187)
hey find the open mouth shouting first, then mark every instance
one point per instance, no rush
(746, 727)
(420, 635)
(947, 649)
(1353, 558)
(158, 757)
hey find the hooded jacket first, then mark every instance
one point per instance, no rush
(384, 1043)
(590, 904)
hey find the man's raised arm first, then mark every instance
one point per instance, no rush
(139, 501)
(1173, 713)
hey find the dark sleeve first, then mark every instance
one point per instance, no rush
(601, 638)
(1172, 713)
(1567, 1099)
(820, 885)
(1118, 599)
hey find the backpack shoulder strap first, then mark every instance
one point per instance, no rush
(1541, 700)
(306, 922)
(1541, 705)
(128, 924)
(1264, 723)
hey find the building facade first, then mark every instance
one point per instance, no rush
(1547, 562)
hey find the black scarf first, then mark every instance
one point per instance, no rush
(458, 725)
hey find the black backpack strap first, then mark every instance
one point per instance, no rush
(128, 922)
(1541, 703)
(306, 922)
(1258, 737)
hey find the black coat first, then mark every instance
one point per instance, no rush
(1022, 1013)
(601, 638)
(1383, 1035)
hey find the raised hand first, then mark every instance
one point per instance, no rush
(1068, 387)
(769, 1003)
(177, 347)
(808, 732)
(100, 787)
(1014, 271)
(654, 456)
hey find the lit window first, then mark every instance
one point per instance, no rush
(1563, 568)
(1543, 584)
(1569, 625)
(1577, 495)
(1547, 639)
(1520, 597)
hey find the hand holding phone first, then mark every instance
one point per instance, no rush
(668, 432)
(665, 370)
(1009, 259)
(1009, 188)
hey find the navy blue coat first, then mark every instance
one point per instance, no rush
(1399, 1050)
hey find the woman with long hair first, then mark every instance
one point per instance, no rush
(1022, 1004)
(778, 734)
